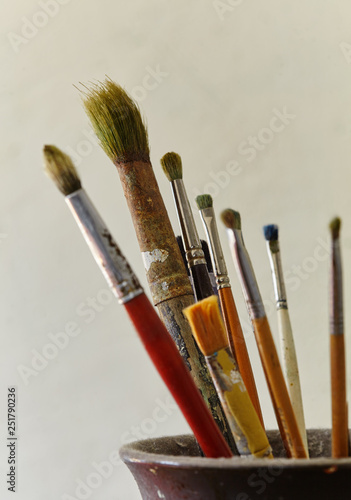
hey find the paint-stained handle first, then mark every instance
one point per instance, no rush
(340, 447)
(171, 313)
(174, 373)
(281, 401)
(249, 434)
(238, 345)
(163, 262)
(291, 370)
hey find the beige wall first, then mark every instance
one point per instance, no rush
(224, 70)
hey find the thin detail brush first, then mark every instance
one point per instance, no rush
(172, 167)
(118, 124)
(340, 445)
(127, 288)
(209, 332)
(274, 376)
(229, 311)
(287, 345)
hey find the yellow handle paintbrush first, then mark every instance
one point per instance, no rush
(209, 332)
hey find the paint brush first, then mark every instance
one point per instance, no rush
(271, 365)
(340, 446)
(287, 346)
(208, 263)
(172, 167)
(128, 290)
(229, 311)
(118, 124)
(209, 332)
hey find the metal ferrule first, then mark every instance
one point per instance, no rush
(192, 243)
(246, 274)
(218, 263)
(336, 291)
(106, 252)
(278, 277)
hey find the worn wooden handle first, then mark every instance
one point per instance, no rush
(166, 274)
(291, 370)
(340, 446)
(281, 401)
(247, 429)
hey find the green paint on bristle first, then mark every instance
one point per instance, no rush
(231, 219)
(204, 201)
(117, 122)
(59, 167)
(334, 227)
(172, 166)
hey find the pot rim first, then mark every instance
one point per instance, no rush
(131, 453)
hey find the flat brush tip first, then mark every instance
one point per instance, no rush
(334, 227)
(231, 219)
(207, 325)
(172, 166)
(59, 167)
(271, 232)
(204, 201)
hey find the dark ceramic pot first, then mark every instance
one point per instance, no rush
(171, 468)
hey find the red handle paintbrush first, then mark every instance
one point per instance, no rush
(127, 288)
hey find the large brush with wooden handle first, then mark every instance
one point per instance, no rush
(123, 136)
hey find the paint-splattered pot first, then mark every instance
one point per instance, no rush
(170, 468)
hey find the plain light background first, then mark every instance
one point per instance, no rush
(224, 69)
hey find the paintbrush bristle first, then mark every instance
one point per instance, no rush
(172, 166)
(271, 232)
(204, 201)
(334, 227)
(117, 122)
(231, 219)
(207, 325)
(61, 170)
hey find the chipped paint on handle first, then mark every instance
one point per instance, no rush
(157, 255)
(249, 435)
(158, 245)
